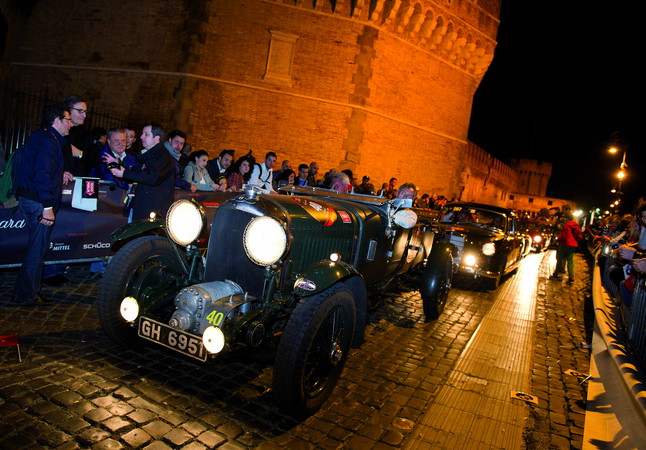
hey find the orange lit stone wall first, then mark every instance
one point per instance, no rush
(382, 87)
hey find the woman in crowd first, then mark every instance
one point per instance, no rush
(241, 172)
(195, 172)
(286, 178)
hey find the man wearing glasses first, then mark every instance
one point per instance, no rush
(40, 189)
(78, 160)
(77, 154)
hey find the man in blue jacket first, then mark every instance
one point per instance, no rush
(40, 189)
(154, 174)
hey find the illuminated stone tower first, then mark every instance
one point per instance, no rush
(382, 87)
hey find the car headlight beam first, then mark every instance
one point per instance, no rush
(469, 260)
(185, 222)
(265, 240)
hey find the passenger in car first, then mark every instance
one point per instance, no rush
(406, 218)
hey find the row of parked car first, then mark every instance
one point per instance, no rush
(293, 276)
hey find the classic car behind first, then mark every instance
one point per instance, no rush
(489, 241)
(290, 274)
(541, 235)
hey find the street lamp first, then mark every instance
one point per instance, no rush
(620, 141)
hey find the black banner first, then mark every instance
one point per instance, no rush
(82, 235)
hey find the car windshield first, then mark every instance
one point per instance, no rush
(461, 214)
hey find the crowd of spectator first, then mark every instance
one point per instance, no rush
(624, 243)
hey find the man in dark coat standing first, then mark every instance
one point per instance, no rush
(40, 190)
(154, 174)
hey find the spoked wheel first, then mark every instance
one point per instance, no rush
(129, 272)
(435, 288)
(313, 350)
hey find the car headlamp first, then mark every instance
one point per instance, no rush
(129, 309)
(185, 222)
(213, 340)
(265, 240)
(488, 249)
(537, 238)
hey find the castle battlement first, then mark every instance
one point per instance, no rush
(461, 34)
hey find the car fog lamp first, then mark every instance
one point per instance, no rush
(334, 257)
(213, 340)
(185, 222)
(470, 260)
(488, 249)
(129, 309)
(265, 240)
(537, 239)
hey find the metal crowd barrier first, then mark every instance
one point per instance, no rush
(634, 315)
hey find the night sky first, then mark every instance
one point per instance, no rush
(563, 79)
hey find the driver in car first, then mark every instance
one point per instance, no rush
(497, 222)
(406, 218)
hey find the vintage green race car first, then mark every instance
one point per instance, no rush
(292, 274)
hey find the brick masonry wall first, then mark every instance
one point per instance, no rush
(383, 88)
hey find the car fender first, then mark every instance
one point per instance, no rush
(321, 275)
(135, 228)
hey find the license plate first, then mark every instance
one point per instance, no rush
(170, 337)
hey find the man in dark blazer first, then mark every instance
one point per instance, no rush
(154, 174)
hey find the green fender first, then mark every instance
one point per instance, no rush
(320, 276)
(137, 227)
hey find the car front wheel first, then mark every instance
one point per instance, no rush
(313, 350)
(127, 273)
(435, 288)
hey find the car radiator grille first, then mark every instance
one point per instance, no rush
(458, 241)
(317, 249)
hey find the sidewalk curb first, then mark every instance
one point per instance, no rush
(608, 320)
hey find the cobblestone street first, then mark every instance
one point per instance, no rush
(76, 389)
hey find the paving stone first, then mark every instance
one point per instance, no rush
(115, 423)
(97, 415)
(211, 439)
(142, 416)
(194, 446)
(73, 425)
(43, 407)
(194, 427)
(136, 438)
(105, 402)
(57, 416)
(120, 408)
(230, 430)
(66, 398)
(174, 417)
(157, 445)
(55, 438)
(107, 444)
(18, 442)
(157, 429)
(178, 436)
(80, 408)
(92, 435)
(392, 437)
(87, 390)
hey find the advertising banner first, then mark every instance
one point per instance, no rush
(83, 235)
